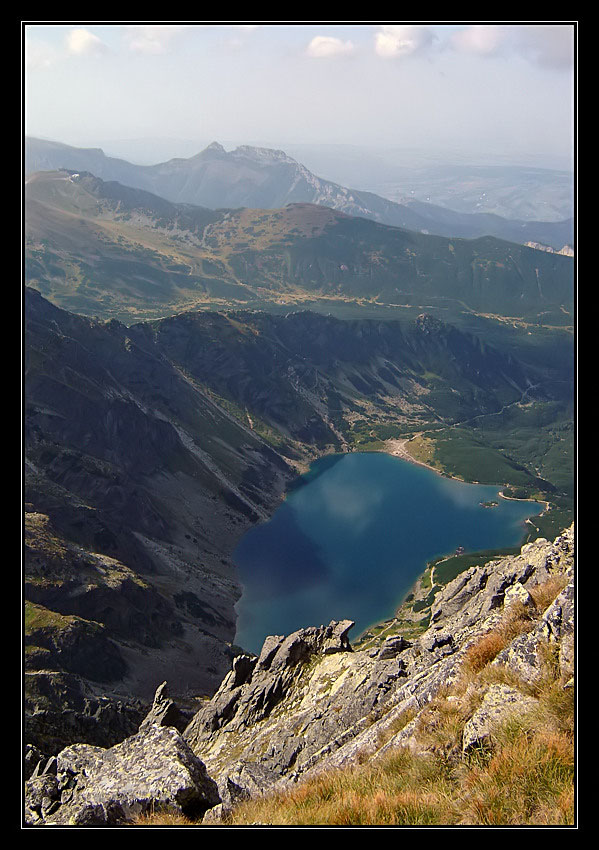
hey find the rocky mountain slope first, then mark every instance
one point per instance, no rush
(266, 178)
(567, 250)
(311, 704)
(137, 485)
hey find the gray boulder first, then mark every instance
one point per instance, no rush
(153, 770)
(499, 704)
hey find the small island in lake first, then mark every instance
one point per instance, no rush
(490, 504)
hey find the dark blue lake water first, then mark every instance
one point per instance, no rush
(353, 536)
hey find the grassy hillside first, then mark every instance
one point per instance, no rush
(103, 249)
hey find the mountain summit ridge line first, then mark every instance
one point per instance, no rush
(268, 178)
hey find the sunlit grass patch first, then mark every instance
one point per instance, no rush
(163, 818)
(527, 779)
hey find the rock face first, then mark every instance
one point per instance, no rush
(61, 709)
(257, 691)
(499, 704)
(154, 769)
(524, 656)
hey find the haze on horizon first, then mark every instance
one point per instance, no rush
(492, 92)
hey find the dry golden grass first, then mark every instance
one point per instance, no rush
(399, 790)
(484, 651)
(527, 780)
(517, 619)
(163, 818)
(544, 594)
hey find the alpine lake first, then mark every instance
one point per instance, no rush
(353, 535)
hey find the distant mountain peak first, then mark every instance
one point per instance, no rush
(263, 154)
(214, 146)
(268, 178)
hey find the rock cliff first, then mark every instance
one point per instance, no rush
(137, 485)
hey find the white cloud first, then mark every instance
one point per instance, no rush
(323, 46)
(548, 45)
(343, 501)
(483, 39)
(396, 40)
(152, 38)
(81, 42)
(39, 54)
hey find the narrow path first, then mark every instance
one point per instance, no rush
(505, 406)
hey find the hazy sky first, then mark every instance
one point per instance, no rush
(491, 87)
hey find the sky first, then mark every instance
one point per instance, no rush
(504, 88)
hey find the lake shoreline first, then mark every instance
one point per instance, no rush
(287, 561)
(397, 448)
(516, 499)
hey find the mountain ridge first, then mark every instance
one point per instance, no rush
(215, 178)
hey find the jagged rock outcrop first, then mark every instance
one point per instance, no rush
(296, 710)
(61, 709)
(32, 760)
(525, 655)
(164, 711)
(256, 685)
